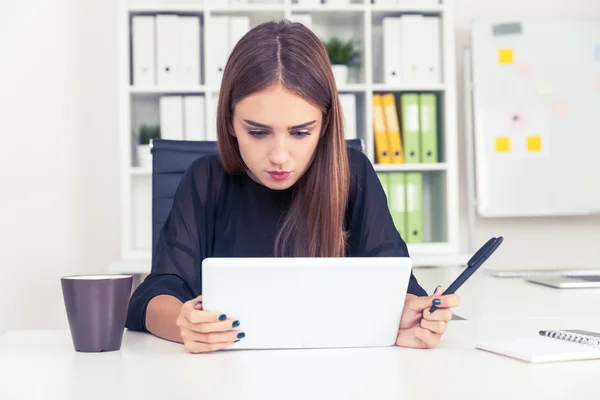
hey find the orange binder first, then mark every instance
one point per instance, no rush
(393, 128)
(382, 148)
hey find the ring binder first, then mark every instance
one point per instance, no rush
(571, 337)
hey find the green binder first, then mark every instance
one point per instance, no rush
(414, 207)
(384, 179)
(429, 131)
(411, 134)
(397, 201)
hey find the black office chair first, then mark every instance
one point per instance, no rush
(170, 160)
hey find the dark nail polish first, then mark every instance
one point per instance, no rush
(437, 302)
(241, 335)
(222, 317)
(235, 323)
(235, 341)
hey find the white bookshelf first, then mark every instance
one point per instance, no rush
(360, 20)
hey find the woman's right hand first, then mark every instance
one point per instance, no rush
(203, 331)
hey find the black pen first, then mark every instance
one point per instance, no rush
(472, 265)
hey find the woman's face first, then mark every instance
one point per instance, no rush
(277, 132)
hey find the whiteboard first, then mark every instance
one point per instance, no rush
(536, 117)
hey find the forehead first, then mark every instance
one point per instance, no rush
(277, 107)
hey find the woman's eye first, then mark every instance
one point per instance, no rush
(300, 134)
(257, 134)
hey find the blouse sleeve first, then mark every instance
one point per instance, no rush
(179, 250)
(373, 233)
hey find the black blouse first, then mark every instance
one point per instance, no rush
(216, 214)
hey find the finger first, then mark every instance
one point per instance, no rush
(420, 303)
(214, 337)
(198, 303)
(207, 327)
(448, 301)
(438, 327)
(199, 347)
(406, 338)
(444, 314)
(429, 338)
(199, 316)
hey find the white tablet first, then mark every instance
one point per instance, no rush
(309, 302)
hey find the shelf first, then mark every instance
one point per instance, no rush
(384, 87)
(166, 90)
(352, 87)
(408, 8)
(354, 8)
(140, 171)
(410, 167)
(166, 8)
(238, 8)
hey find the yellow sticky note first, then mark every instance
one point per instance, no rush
(502, 144)
(505, 56)
(534, 143)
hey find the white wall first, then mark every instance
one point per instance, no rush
(529, 242)
(56, 102)
(58, 155)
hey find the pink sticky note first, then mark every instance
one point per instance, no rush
(561, 107)
(524, 70)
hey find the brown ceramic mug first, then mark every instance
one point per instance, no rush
(96, 308)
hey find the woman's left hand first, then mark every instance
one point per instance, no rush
(419, 328)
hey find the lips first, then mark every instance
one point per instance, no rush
(279, 175)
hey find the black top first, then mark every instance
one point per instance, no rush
(216, 214)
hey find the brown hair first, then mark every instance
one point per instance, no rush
(290, 54)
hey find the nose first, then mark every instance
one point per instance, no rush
(279, 154)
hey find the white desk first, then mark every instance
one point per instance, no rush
(486, 297)
(43, 365)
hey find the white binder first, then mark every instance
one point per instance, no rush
(171, 117)
(348, 102)
(211, 119)
(218, 45)
(238, 27)
(143, 55)
(167, 51)
(193, 111)
(412, 47)
(392, 58)
(189, 50)
(433, 53)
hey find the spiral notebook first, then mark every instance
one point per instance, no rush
(548, 346)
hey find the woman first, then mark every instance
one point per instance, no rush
(283, 184)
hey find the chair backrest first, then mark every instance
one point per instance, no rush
(170, 160)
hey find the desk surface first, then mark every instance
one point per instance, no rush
(485, 297)
(43, 365)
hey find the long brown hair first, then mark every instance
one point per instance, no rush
(290, 54)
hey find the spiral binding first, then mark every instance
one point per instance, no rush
(572, 337)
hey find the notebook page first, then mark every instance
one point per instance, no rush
(541, 349)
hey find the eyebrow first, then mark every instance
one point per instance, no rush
(256, 124)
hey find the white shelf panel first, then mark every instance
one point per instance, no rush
(408, 7)
(140, 171)
(166, 8)
(238, 8)
(352, 87)
(166, 90)
(383, 87)
(410, 167)
(354, 8)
